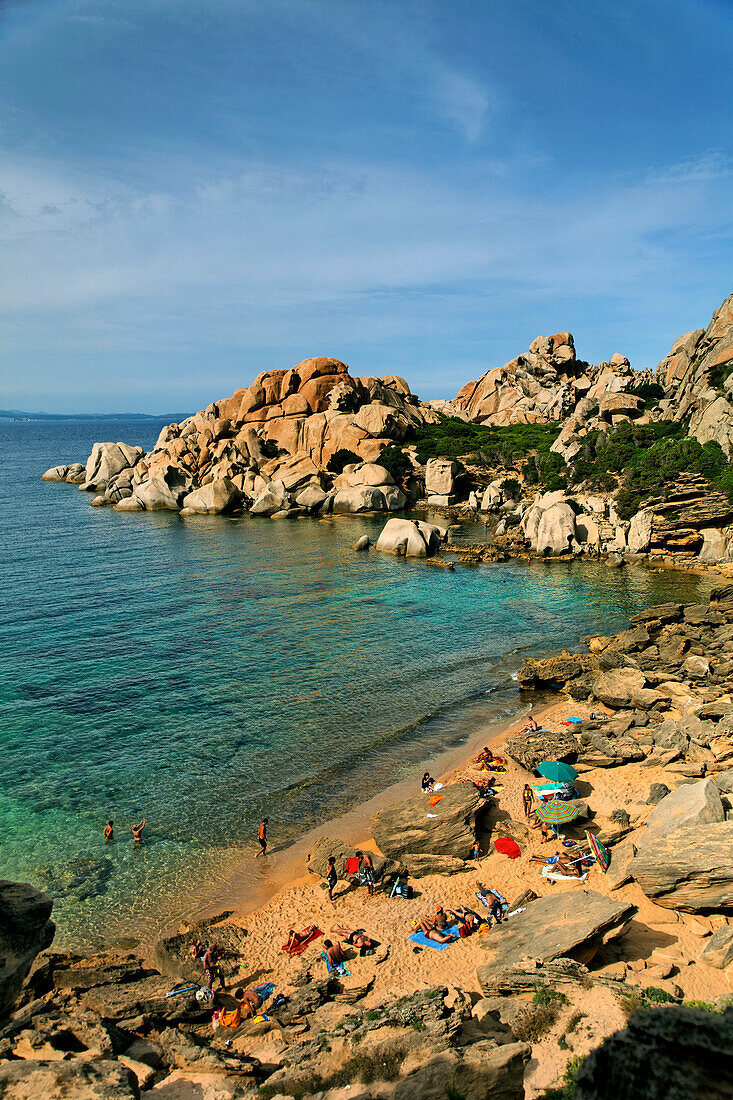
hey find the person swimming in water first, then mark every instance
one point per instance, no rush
(108, 831)
(137, 833)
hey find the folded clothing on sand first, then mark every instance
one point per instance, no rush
(422, 939)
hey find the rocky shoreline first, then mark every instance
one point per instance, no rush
(544, 996)
(548, 450)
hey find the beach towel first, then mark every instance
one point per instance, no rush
(265, 990)
(352, 865)
(335, 968)
(547, 872)
(419, 937)
(436, 799)
(313, 934)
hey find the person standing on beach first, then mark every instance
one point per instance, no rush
(331, 876)
(527, 799)
(367, 871)
(262, 837)
(108, 831)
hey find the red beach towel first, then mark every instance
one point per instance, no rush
(313, 934)
(508, 847)
(352, 865)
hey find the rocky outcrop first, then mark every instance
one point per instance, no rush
(670, 1053)
(692, 804)
(25, 929)
(410, 538)
(572, 925)
(697, 375)
(82, 1080)
(718, 951)
(414, 827)
(530, 749)
(689, 869)
(440, 480)
(269, 443)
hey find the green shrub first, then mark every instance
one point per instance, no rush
(719, 374)
(651, 393)
(546, 996)
(486, 445)
(339, 459)
(562, 1042)
(511, 488)
(394, 459)
(703, 1006)
(567, 1089)
(536, 1021)
(657, 996)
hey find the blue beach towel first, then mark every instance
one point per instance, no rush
(265, 990)
(418, 937)
(339, 969)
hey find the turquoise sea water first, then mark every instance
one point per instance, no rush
(203, 672)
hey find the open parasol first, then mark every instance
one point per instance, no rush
(557, 771)
(557, 812)
(603, 859)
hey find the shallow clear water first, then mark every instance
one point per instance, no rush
(207, 671)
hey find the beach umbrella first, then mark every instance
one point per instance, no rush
(599, 851)
(557, 812)
(557, 771)
(508, 847)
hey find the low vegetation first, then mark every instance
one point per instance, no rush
(566, 1091)
(339, 459)
(484, 445)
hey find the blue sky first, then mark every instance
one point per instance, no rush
(192, 191)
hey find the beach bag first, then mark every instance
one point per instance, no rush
(464, 931)
(231, 1017)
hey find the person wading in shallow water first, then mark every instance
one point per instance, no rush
(137, 830)
(108, 831)
(262, 837)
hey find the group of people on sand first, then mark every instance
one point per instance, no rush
(439, 927)
(108, 832)
(365, 872)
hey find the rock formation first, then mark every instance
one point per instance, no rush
(415, 827)
(25, 929)
(697, 375)
(671, 1053)
(568, 925)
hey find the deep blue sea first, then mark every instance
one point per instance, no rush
(204, 672)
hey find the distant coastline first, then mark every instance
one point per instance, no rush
(17, 414)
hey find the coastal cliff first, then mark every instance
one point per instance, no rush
(559, 456)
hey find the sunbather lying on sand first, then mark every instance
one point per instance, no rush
(467, 918)
(357, 937)
(433, 927)
(567, 866)
(296, 939)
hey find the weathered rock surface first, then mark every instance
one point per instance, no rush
(25, 929)
(691, 804)
(689, 869)
(409, 538)
(670, 1053)
(618, 686)
(573, 925)
(414, 827)
(220, 495)
(480, 1070)
(530, 749)
(30, 1079)
(718, 951)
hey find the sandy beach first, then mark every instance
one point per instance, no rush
(655, 938)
